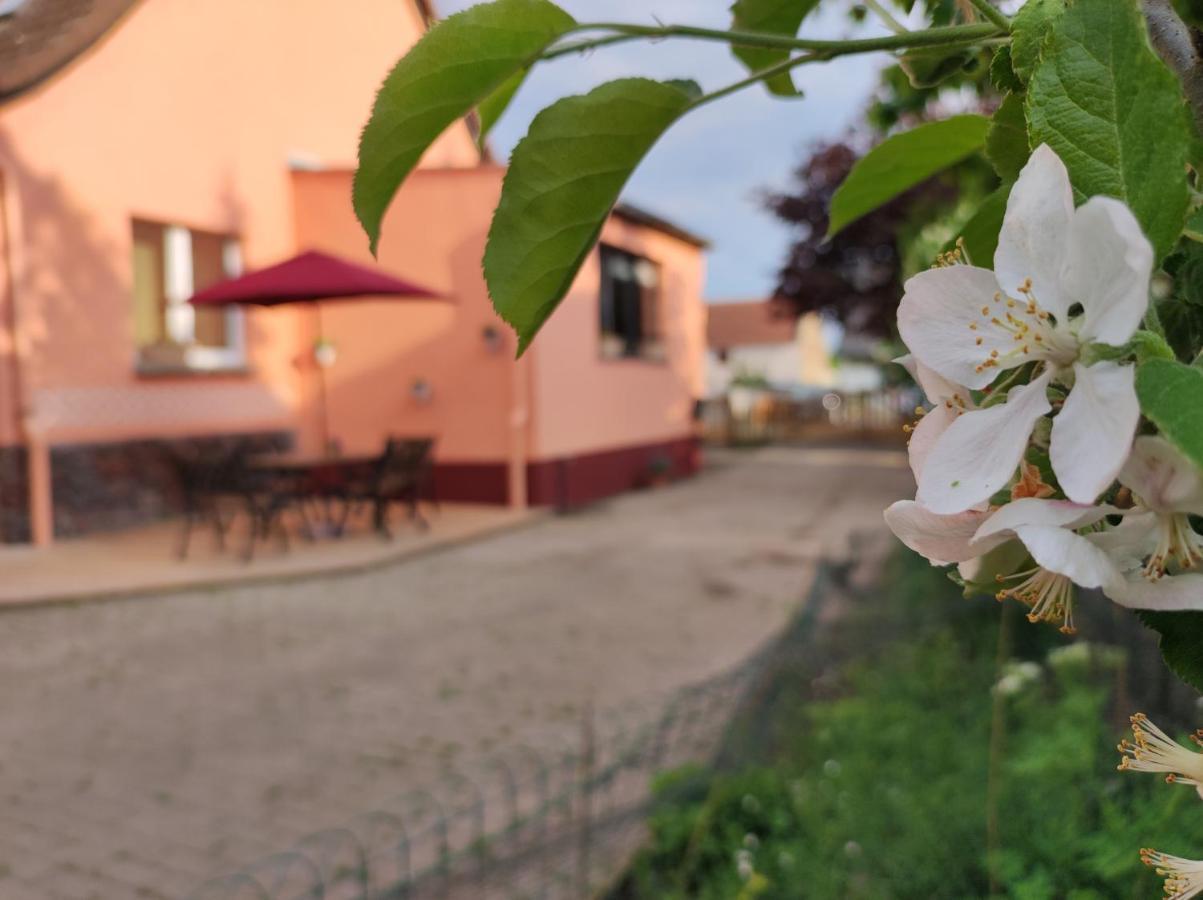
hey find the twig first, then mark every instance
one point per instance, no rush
(987, 9)
(1175, 43)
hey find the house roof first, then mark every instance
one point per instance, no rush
(748, 323)
(637, 216)
(39, 37)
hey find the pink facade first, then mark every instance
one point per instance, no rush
(232, 126)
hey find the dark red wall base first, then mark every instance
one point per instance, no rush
(471, 482)
(575, 480)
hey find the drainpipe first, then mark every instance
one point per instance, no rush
(30, 435)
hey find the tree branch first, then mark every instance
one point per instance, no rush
(939, 36)
(1175, 43)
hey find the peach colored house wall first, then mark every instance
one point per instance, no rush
(9, 386)
(579, 403)
(434, 234)
(187, 113)
(587, 403)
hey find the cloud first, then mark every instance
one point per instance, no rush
(709, 170)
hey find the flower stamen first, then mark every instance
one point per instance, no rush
(1152, 750)
(1049, 595)
(1029, 328)
(1183, 877)
(1177, 541)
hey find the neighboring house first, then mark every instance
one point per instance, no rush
(755, 339)
(149, 149)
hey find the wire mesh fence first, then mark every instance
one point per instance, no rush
(539, 823)
(564, 821)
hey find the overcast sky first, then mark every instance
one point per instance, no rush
(708, 170)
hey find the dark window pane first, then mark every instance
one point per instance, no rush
(629, 315)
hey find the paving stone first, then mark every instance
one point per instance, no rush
(153, 742)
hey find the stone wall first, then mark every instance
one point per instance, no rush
(107, 486)
(14, 496)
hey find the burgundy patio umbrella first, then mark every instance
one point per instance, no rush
(310, 278)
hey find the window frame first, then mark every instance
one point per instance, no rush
(651, 346)
(179, 317)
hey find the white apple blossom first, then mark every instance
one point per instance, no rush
(1112, 560)
(948, 400)
(1063, 279)
(1167, 488)
(1062, 558)
(940, 539)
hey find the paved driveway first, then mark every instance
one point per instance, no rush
(150, 742)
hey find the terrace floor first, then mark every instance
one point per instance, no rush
(146, 560)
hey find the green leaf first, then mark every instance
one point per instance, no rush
(1029, 29)
(564, 177)
(1114, 114)
(456, 65)
(1002, 74)
(494, 106)
(780, 17)
(1171, 396)
(980, 233)
(1007, 141)
(1181, 642)
(903, 161)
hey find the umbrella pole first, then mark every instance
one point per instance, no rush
(323, 408)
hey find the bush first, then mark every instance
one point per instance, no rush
(885, 790)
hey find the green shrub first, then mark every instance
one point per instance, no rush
(884, 792)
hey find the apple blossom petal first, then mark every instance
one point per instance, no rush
(934, 318)
(937, 387)
(980, 451)
(1093, 432)
(1170, 594)
(1034, 236)
(1161, 477)
(970, 568)
(925, 433)
(1131, 541)
(939, 539)
(1072, 555)
(1038, 511)
(1107, 270)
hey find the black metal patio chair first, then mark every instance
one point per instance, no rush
(207, 482)
(402, 474)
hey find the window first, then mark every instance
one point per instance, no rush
(630, 308)
(170, 264)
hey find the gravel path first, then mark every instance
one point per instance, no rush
(154, 741)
